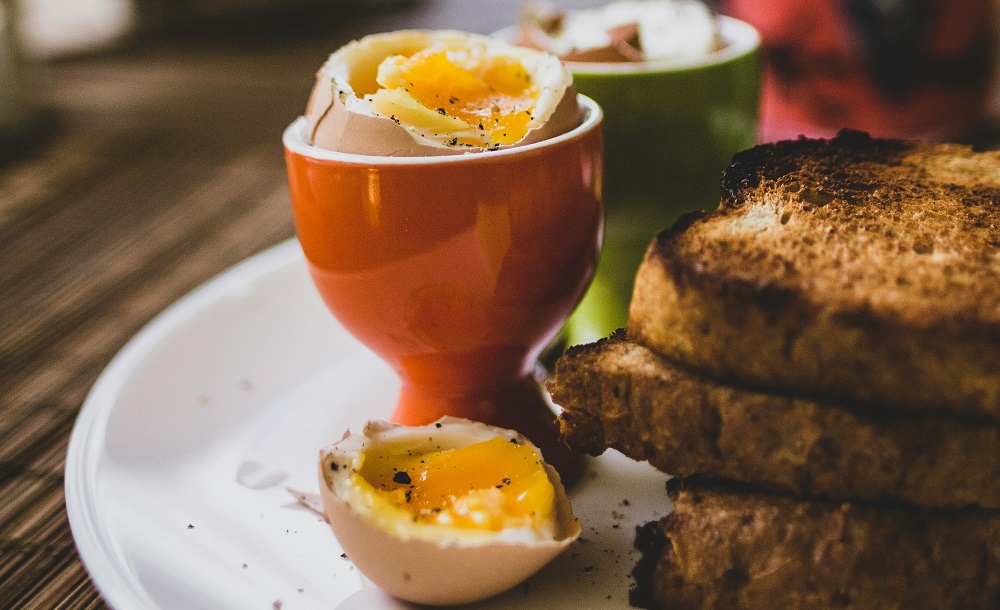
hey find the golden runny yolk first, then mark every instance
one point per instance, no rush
(493, 94)
(490, 485)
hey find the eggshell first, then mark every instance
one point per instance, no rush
(435, 571)
(340, 119)
(623, 31)
(620, 46)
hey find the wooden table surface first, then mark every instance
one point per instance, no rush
(159, 166)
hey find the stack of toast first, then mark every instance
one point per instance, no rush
(817, 362)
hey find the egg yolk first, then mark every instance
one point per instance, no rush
(477, 98)
(490, 485)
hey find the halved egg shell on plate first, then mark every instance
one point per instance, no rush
(448, 513)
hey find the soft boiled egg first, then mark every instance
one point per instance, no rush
(624, 31)
(448, 513)
(424, 92)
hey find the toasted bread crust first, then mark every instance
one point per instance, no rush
(726, 549)
(855, 269)
(619, 394)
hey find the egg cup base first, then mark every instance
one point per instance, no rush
(520, 406)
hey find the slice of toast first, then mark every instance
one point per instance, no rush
(853, 268)
(619, 394)
(728, 548)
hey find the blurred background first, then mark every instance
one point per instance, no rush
(921, 69)
(907, 68)
(55, 55)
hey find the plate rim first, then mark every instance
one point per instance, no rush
(113, 580)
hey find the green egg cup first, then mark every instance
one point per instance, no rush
(670, 129)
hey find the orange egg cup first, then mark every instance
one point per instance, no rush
(457, 270)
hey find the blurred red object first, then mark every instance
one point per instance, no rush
(896, 68)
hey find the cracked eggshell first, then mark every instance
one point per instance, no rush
(340, 118)
(434, 570)
(619, 46)
(623, 31)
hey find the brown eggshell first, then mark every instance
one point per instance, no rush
(438, 571)
(337, 128)
(621, 48)
(337, 120)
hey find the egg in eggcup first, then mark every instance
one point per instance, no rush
(458, 265)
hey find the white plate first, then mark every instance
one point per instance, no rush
(178, 463)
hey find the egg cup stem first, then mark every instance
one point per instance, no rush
(457, 271)
(520, 406)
